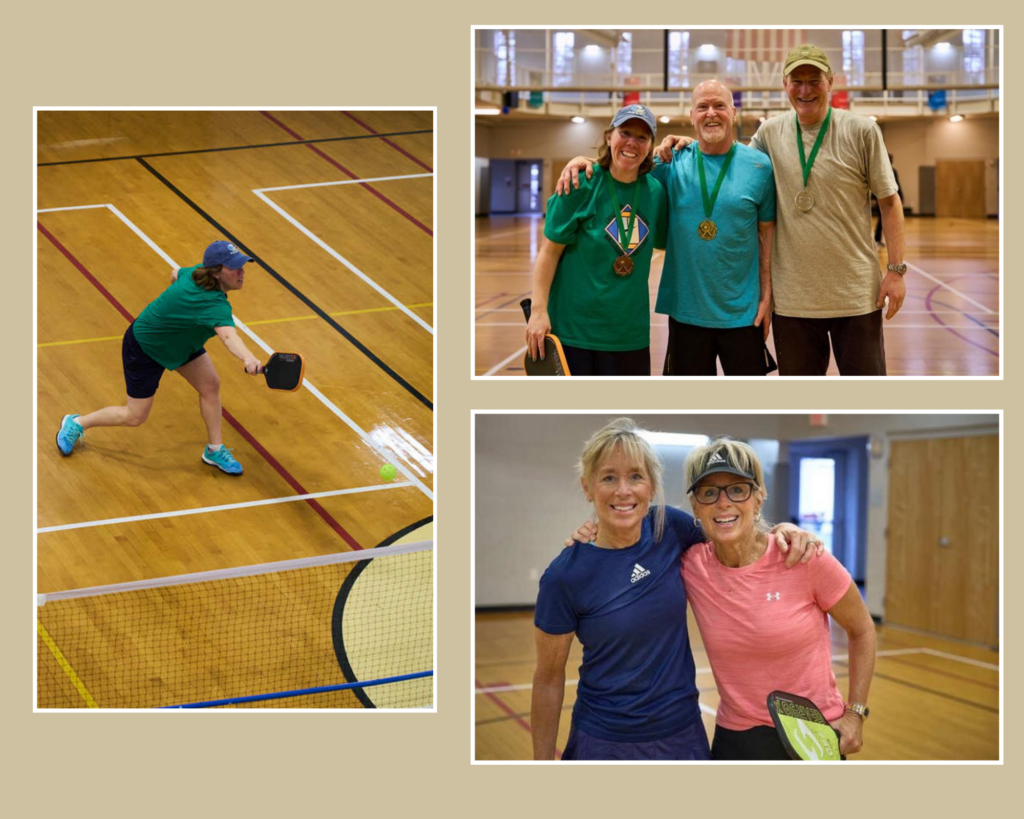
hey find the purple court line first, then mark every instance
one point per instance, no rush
(928, 307)
(389, 142)
(492, 298)
(270, 459)
(351, 175)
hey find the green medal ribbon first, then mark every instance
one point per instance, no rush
(709, 202)
(625, 231)
(807, 163)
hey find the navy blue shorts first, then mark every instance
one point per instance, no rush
(142, 373)
(690, 744)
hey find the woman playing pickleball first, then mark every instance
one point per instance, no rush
(169, 335)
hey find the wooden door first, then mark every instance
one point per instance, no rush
(961, 188)
(943, 549)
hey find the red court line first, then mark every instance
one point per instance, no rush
(389, 142)
(270, 459)
(505, 707)
(351, 175)
(508, 710)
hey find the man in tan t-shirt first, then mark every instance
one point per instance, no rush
(825, 277)
(826, 285)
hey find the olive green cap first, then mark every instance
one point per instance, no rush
(806, 54)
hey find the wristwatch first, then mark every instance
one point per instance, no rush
(897, 268)
(858, 708)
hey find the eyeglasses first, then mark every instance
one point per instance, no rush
(736, 492)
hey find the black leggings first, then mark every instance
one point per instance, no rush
(760, 742)
(607, 362)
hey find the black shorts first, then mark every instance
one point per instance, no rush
(694, 350)
(142, 373)
(802, 344)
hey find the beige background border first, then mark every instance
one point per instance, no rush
(400, 53)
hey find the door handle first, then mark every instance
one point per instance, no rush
(944, 543)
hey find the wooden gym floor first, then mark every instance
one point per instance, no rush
(343, 274)
(949, 324)
(931, 699)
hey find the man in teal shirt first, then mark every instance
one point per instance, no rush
(169, 335)
(716, 282)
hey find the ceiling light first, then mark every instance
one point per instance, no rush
(578, 120)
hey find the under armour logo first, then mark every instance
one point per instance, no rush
(778, 595)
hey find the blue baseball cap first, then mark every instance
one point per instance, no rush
(224, 253)
(639, 112)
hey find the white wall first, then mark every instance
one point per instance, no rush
(528, 497)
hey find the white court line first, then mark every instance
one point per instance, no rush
(979, 663)
(893, 652)
(338, 257)
(387, 454)
(903, 312)
(87, 524)
(344, 182)
(888, 327)
(917, 269)
(75, 207)
(508, 360)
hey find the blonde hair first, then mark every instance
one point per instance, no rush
(206, 277)
(739, 454)
(623, 435)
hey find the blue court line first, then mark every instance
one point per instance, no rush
(279, 695)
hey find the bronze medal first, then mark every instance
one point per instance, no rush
(623, 266)
(805, 200)
(707, 230)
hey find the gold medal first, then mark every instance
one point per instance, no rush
(623, 266)
(805, 200)
(707, 230)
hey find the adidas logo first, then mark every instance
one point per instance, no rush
(716, 458)
(639, 573)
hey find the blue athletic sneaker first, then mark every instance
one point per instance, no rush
(223, 460)
(68, 434)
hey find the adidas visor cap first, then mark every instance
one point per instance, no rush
(719, 461)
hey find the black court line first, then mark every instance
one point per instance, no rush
(292, 289)
(338, 614)
(942, 694)
(230, 148)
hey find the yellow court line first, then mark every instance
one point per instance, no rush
(249, 323)
(79, 341)
(342, 313)
(62, 660)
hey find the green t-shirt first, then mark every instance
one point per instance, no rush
(590, 306)
(180, 320)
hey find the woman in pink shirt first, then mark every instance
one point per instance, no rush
(766, 627)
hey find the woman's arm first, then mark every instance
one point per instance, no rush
(229, 335)
(548, 691)
(853, 616)
(543, 274)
